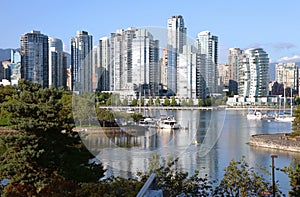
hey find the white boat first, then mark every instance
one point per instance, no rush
(168, 123)
(147, 122)
(284, 118)
(254, 115)
(130, 111)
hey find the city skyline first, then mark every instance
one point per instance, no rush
(269, 25)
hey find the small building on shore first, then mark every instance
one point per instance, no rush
(236, 100)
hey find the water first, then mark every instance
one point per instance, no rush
(221, 136)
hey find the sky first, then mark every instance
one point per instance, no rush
(271, 25)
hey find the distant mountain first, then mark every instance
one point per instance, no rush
(4, 54)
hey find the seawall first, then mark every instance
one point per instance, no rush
(279, 141)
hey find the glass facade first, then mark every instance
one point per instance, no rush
(34, 58)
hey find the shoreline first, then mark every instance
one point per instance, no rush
(279, 141)
(264, 108)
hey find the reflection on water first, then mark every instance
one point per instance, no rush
(221, 136)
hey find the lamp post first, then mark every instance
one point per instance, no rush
(273, 174)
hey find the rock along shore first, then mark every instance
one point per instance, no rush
(279, 141)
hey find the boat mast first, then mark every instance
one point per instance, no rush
(291, 101)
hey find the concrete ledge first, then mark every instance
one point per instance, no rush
(279, 141)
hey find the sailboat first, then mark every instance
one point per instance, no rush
(286, 117)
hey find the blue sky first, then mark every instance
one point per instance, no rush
(272, 25)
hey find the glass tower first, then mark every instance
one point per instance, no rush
(34, 58)
(81, 62)
(207, 45)
(57, 64)
(175, 41)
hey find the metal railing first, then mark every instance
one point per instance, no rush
(148, 188)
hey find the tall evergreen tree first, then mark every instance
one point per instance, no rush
(45, 145)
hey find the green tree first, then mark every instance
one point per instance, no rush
(134, 102)
(157, 101)
(173, 101)
(201, 103)
(208, 101)
(6, 92)
(115, 100)
(184, 103)
(41, 150)
(141, 102)
(191, 102)
(66, 113)
(137, 117)
(219, 101)
(293, 172)
(102, 97)
(296, 122)
(104, 116)
(174, 182)
(166, 102)
(83, 109)
(108, 102)
(150, 102)
(125, 102)
(242, 180)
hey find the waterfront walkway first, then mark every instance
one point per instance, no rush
(223, 107)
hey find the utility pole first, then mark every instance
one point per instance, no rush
(273, 174)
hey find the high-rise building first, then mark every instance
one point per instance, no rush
(134, 62)
(5, 71)
(35, 57)
(164, 69)
(253, 73)
(121, 59)
(233, 63)
(57, 64)
(15, 66)
(175, 41)
(208, 46)
(288, 74)
(223, 78)
(104, 62)
(81, 62)
(187, 73)
(95, 67)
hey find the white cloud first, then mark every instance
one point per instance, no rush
(295, 58)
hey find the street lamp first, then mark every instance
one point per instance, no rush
(273, 174)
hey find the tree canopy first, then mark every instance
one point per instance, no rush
(45, 148)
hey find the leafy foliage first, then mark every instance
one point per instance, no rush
(293, 171)
(191, 102)
(173, 101)
(166, 102)
(84, 109)
(201, 103)
(137, 117)
(241, 180)
(45, 148)
(36, 110)
(157, 102)
(174, 182)
(296, 122)
(134, 102)
(150, 102)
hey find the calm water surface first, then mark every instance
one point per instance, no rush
(221, 136)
